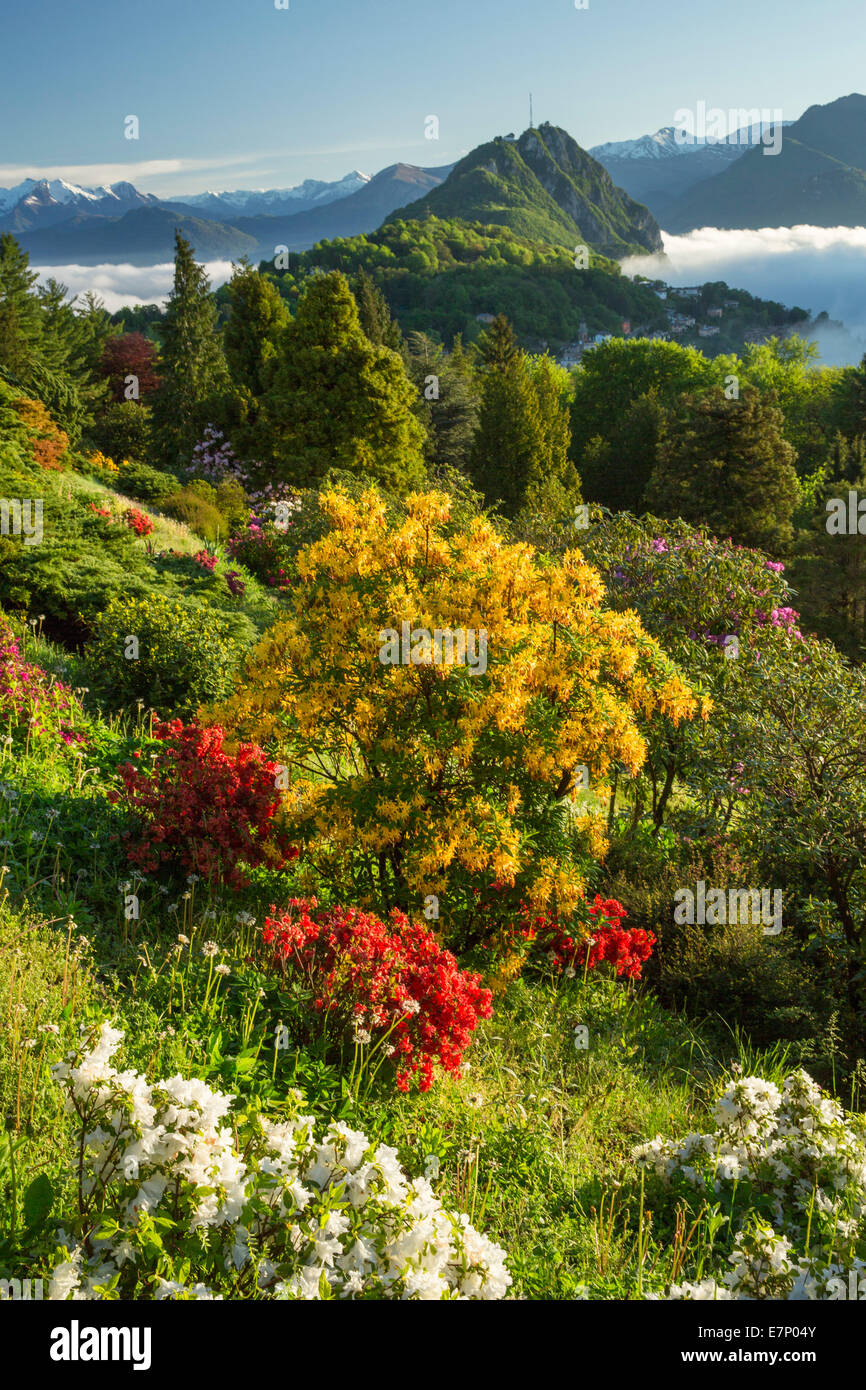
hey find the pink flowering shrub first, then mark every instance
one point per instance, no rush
(31, 700)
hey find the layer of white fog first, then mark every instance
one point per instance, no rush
(817, 268)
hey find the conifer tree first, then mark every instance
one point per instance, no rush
(498, 345)
(830, 570)
(257, 317)
(725, 464)
(336, 401)
(520, 452)
(20, 309)
(375, 315)
(448, 402)
(192, 367)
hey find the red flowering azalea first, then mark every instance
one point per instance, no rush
(387, 985)
(210, 812)
(138, 521)
(605, 939)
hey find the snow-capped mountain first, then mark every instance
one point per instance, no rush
(257, 202)
(59, 191)
(45, 202)
(669, 142)
(661, 168)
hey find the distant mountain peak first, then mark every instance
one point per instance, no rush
(543, 185)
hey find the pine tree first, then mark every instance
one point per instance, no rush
(498, 345)
(336, 401)
(830, 571)
(448, 402)
(192, 368)
(20, 309)
(257, 317)
(725, 464)
(375, 315)
(520, 452)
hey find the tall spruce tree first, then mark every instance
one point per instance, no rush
(725, 464)
(192, 368)
(336, 401)
(375, 315)
(20, 308)
(497, 346)
(520, 453)
(257, 317)
(830, 569)
(448, 402)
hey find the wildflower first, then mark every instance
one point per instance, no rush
(209, 949)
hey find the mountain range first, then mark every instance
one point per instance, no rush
(542, 185)
(661, 168)
(818, 176)
(59, 222)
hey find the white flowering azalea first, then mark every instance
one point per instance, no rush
(790, 1154)
(288, 1216)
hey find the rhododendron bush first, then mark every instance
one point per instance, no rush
(594, 936)
(181, 1199)
(715, 608)
(388, 987)
(138, 521)
(431, 777)
(203, 809)
(789, 1166)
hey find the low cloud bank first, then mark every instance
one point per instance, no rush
(122, 285)
(817, 268)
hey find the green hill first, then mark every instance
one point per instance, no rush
(439, 274)
(544, 187)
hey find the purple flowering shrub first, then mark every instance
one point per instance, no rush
(713, 606)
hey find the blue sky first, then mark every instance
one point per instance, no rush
(236, 93)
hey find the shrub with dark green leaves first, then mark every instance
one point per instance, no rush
(171, 655)
(123, 431)
(146, 483)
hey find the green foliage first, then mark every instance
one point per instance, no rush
(123, 430)
(520, 452)
(185, 654)
(196, 511)
(146, 483)
(192, 368)
(336, 400)
(448, 402)
(829, 570)
(622, 394)
(374, 314)
(256, 318)
(439, 274)
(725, 463)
